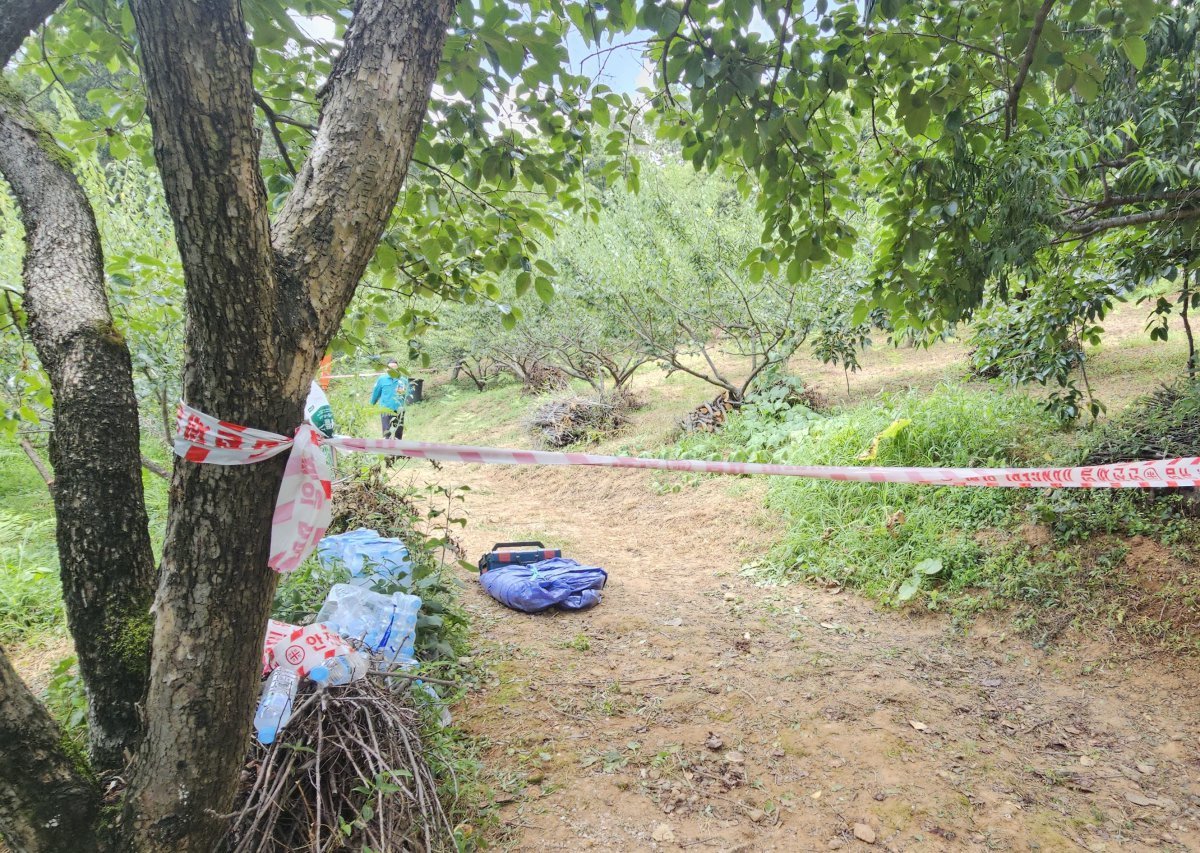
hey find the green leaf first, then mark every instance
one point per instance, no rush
(600, 112)
(930, 566)
(1065, 79)
(544, 289)
(1135, 49)
(916, 120)
(1086, 86)
(909, 588)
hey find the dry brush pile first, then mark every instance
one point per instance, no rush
(575, 418)
(348, 773)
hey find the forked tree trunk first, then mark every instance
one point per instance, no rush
(262, 308)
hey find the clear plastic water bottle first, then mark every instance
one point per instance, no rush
(383, 623)
(399, 645)
(275, 706)
(340, 670)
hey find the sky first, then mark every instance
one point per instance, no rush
(619, 64)
(619, 68)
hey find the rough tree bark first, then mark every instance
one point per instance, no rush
(17, 19)
(106, 561)
(105, 557)
(260, 313)
(54, 807)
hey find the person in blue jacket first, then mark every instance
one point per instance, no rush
(391, 393)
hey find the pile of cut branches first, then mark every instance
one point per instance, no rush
(573, 419)
(541, 378)
(709, 417)
(348, 773)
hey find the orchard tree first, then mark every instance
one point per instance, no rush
(664, 271)
(282, 159)
(1011, 147)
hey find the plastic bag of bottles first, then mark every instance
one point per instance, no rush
(386, 624)
(368, 557)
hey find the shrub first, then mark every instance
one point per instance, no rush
(1163, 425)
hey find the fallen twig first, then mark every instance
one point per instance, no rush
(411, 676)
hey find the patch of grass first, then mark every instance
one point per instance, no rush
(30, 592)
(1057, 554)
(872, 535)
(461, 415)
(579, 643)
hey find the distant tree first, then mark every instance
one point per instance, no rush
(665, 273)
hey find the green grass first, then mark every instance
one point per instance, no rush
(30, 593)
(970, 540)
(449, 413)
(872, 535)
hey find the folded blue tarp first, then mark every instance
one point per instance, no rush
(557, 582)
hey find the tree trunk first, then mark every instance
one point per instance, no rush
(17, 18)
(47, 805)
(260, 314)
(215, 589)
(105, 558)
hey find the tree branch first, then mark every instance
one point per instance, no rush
(376, 98)
(273, 124)
(1014, 95)
(105, 558)
(197, 64)
(36, 461)
(1083, 230)
(1111, 201)
(155, 469)
(940, 37)
(18, 18)
(666, 48)
(782, 36)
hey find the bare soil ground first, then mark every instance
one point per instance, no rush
(695, 710)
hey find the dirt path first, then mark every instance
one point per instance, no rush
(694, 710)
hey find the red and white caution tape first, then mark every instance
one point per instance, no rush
(302, 509)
